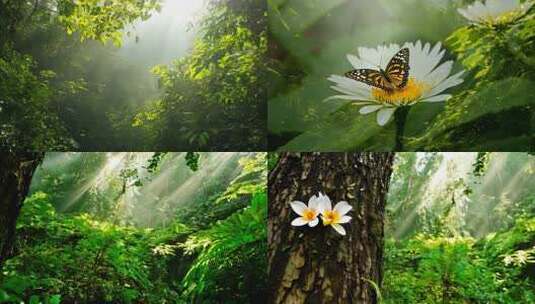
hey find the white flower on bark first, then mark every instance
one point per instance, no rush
(335, 216)
(321, 204)
(308, 215)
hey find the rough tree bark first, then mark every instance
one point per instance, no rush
(16, 171)
(317, 265)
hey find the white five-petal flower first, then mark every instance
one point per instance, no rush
(428, 78)
(494, 11)
(335, 216)
(308, 214)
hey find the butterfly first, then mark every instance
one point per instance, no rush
(393, 78)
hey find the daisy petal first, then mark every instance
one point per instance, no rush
(339, 229)
(422, 61)
(384, 115)
(440, 73)
(369, 109)
(343, 86)
(314, 222)
(493, 10)
(446, 84)
(357, 63)
(299, 222)
(349, 84)
(343, 207)
(359, 93)
(361, 103)
(437, 98)
(349, 97)
(298, 207)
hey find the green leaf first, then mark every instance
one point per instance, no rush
(344, 131)
(35, 300)
(55, 299)
(470, 110)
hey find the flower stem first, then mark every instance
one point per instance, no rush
(400, 116)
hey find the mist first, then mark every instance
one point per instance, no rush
(443, 187)
(166, 36)
(118, 185)
(114, 83)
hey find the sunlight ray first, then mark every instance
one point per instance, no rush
(453, 165)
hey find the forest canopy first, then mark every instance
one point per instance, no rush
(78, 75)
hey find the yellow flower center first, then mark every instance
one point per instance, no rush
(401, 97)
(331, 217)
(309, 214)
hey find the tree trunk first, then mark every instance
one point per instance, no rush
(16, 171)
(317, 265)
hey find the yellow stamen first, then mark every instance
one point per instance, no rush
(309, 214)
(401, 97)
(331, 217)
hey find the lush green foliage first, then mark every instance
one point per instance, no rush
(66, 78)
(215, 97)
(24, 102)
(424, 269)
(85, 260)
(461, 229)
(237, 195)
(217, 257)
(501, 58)
(235, 245)
(103, 21)
(44, 72)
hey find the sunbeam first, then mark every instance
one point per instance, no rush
(120, 180)
(172, 30)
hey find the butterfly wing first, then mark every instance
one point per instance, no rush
(398, 68)
(370, 77)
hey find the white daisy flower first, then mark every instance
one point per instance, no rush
(335, 217)
(494, 11)
(308, 214)
(428, 78)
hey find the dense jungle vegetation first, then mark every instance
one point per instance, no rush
(132, 75)
(492, 110)
(192, 228)
(461, 229)
(141, 228)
